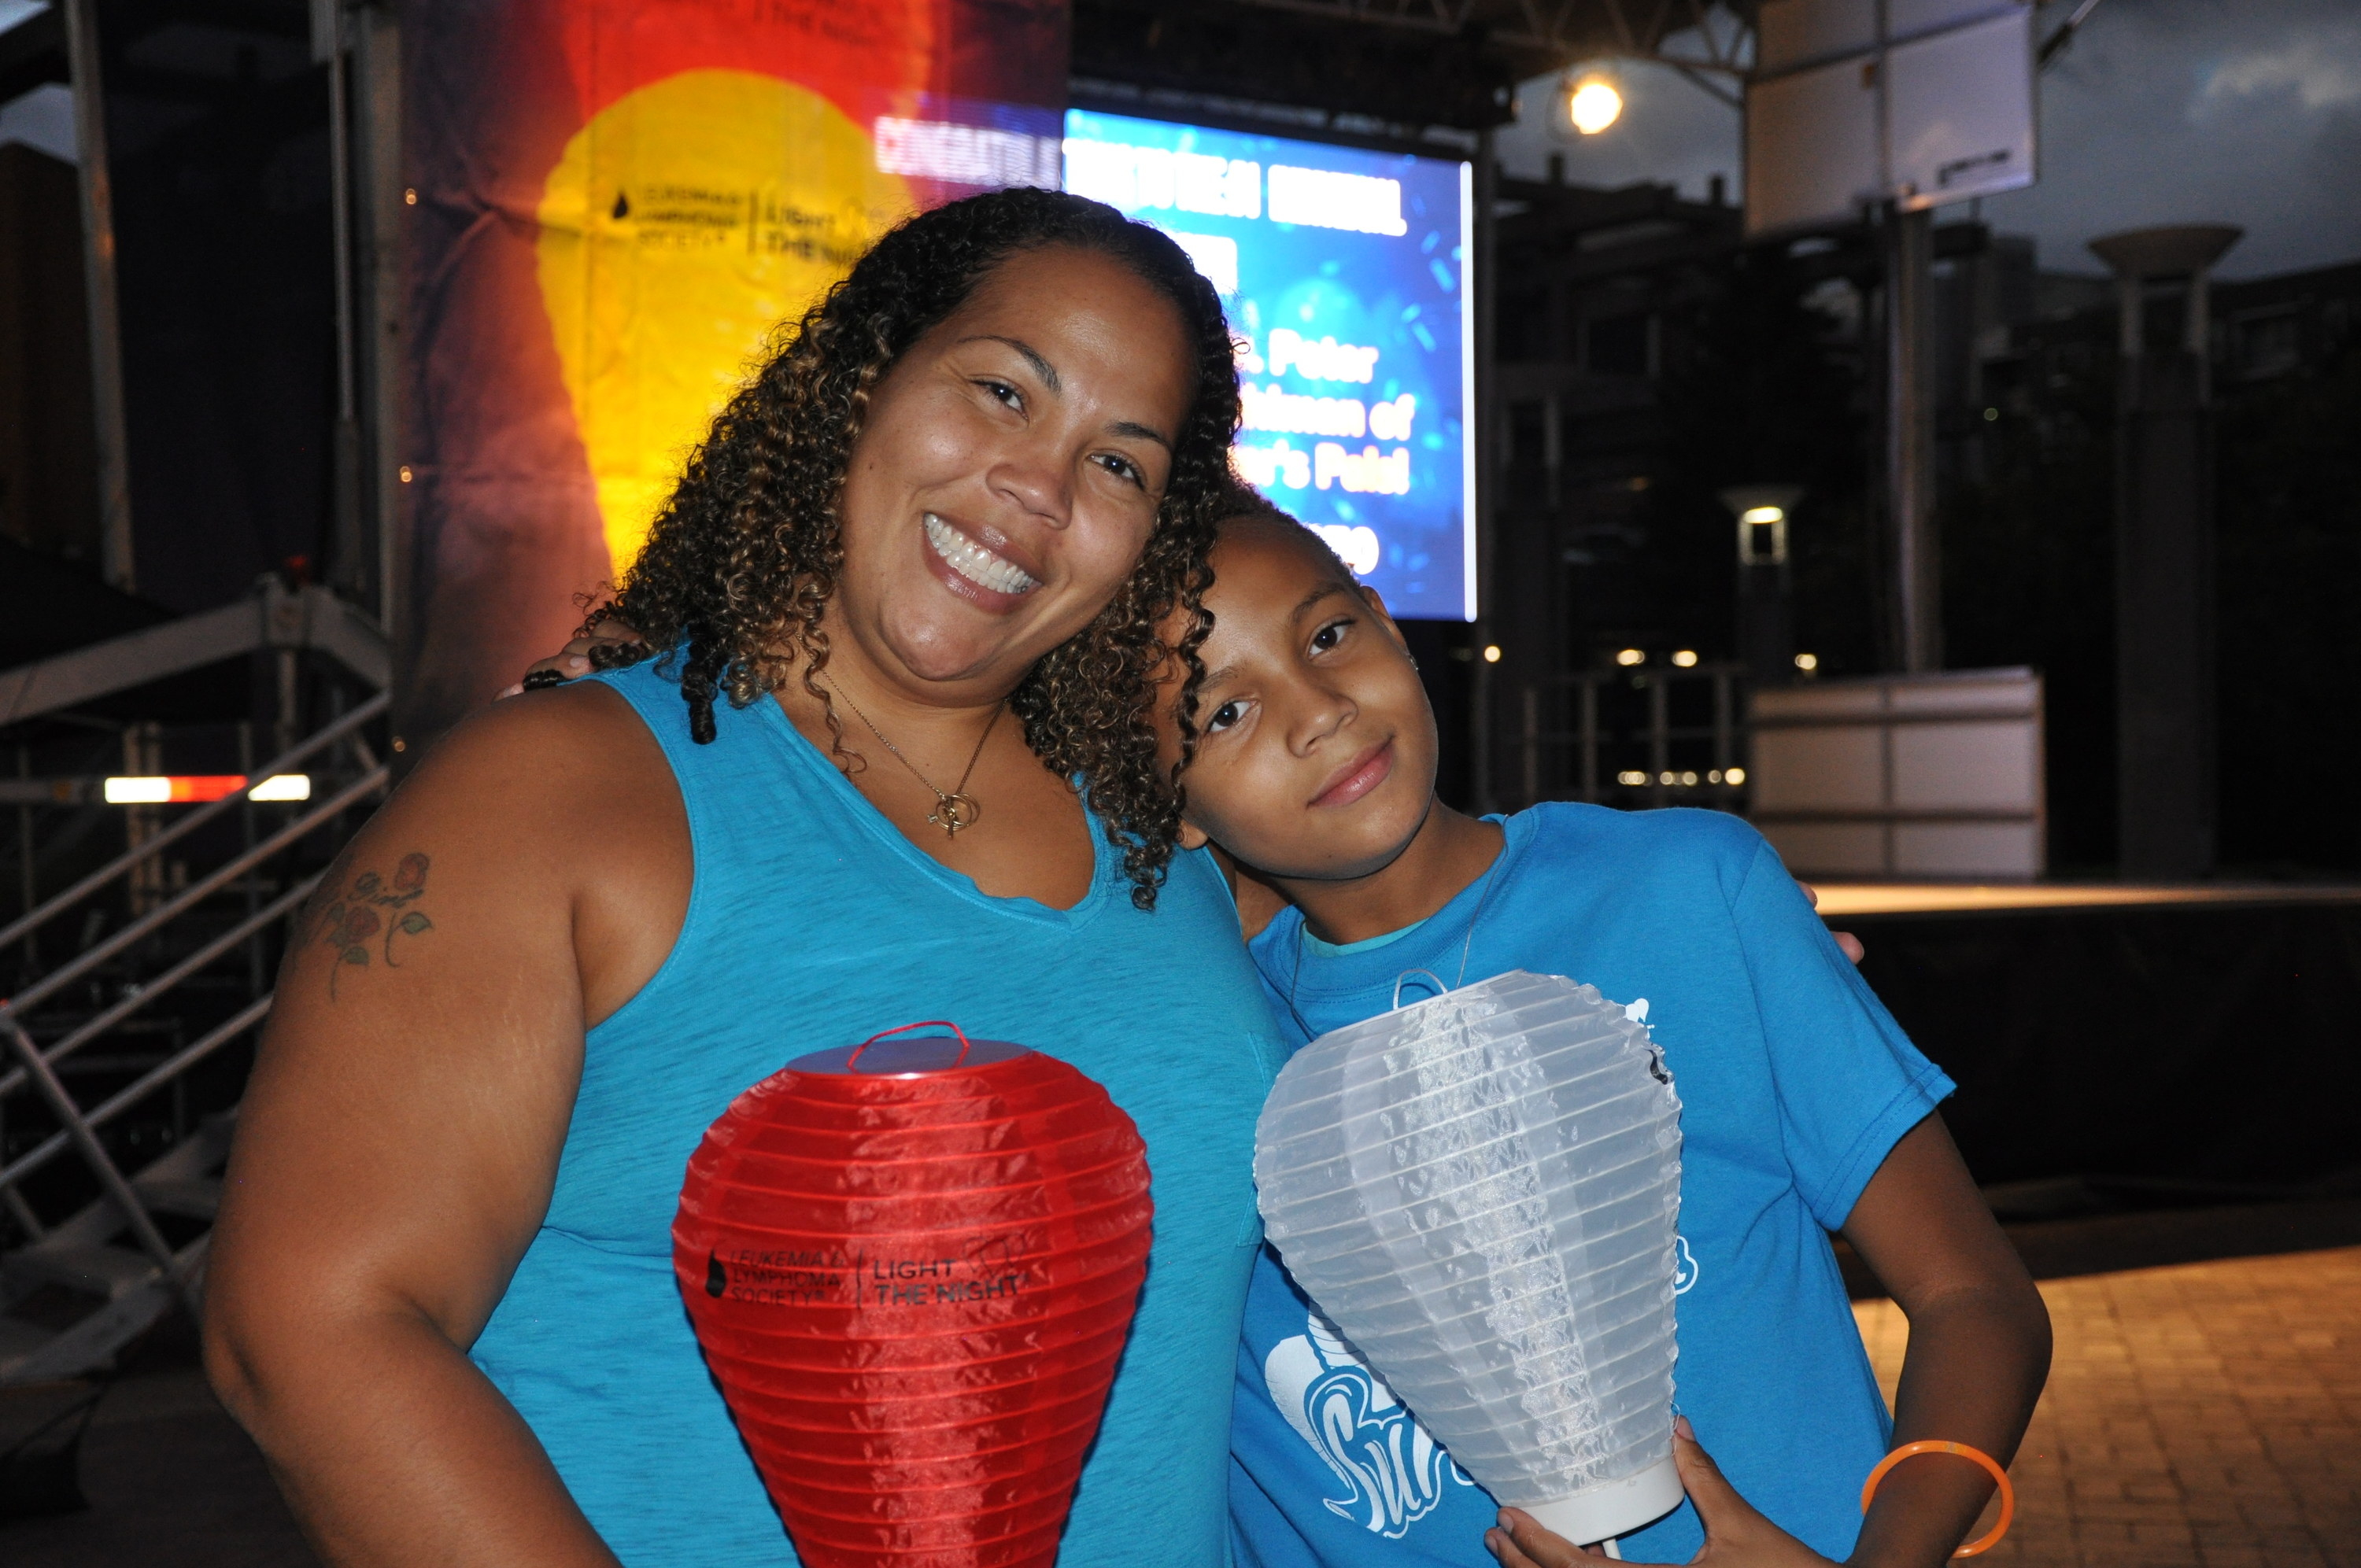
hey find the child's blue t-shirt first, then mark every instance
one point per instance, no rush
(1795, 1082)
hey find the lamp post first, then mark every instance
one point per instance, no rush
(1766, 623)
(2166, 771)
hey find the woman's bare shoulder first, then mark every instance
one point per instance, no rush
(570, 779)
(556, 813)
(584, 738)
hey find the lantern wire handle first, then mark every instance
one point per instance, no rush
(1465, 948)
(1402, 979)
(906, 1028)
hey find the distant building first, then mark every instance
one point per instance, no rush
(2011, 338)
(1636, 335)
(1599, 294)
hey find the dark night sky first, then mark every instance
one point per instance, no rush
(2163, 111)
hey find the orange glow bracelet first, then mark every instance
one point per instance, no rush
(2007, 1492)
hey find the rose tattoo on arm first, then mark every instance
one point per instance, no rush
(369, 921)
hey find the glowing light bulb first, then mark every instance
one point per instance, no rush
(1631, 656)
(1593, 105)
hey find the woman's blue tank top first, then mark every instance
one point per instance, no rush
(813, 923)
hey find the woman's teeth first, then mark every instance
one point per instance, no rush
(974, 563)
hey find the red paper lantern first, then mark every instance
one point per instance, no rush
(912, 1269)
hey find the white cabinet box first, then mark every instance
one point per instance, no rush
(1904, 775)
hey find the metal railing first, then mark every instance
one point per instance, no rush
(120, 866)
(1561, 760)
(78, 1128)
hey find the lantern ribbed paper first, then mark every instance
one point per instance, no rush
(1480, 1191)
(912, 1266)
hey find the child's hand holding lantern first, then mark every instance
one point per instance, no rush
(1736, 1533)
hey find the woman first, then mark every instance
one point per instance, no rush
(971, 482)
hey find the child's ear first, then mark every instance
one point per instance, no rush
(1191, 836)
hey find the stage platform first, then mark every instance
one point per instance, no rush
(2156, 1044)
(1837, 898)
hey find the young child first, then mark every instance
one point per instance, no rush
(1805, 1111)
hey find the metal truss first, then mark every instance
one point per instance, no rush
(1565, 30)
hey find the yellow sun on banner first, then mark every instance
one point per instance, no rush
(682, 225)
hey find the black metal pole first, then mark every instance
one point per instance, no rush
(1916, 555)
(99, 294)
(1485, 434)
(2165, 767)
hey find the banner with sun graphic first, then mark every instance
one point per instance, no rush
(614, 206)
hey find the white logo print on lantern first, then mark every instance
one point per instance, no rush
(1394, 1472)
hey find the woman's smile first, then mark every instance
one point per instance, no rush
(982, 573)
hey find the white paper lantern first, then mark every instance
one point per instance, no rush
(1481, 1190)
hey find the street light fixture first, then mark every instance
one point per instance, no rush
(1761, 512)
(1766, 637)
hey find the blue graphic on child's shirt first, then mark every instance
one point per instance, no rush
(1685, 1265)
(1393, 1472)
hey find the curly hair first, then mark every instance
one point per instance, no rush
(743, 557)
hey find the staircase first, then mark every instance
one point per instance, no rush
(99, 1235)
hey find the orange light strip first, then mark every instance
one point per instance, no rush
(175, 789)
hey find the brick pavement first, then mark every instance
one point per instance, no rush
(2202, 1416)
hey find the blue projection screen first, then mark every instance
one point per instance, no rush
(1345, 274)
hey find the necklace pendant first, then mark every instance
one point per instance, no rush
(955, 812)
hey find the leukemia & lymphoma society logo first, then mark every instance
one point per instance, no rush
(1393, 1472)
